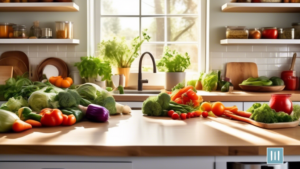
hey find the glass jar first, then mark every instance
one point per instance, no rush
(281, 102)
(6, 30)
(286, 33)
(297, 30)
(271, 1)
(20, 31)
(46, 33)
(254, 33)
(35, 30)
(236, 32)
(64, 30)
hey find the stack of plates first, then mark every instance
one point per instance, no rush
(17, 59)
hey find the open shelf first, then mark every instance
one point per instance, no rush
(258, 41)
(40, 41)
(39, 7)
(262, 7)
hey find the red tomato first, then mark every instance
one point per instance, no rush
(196, 103)
(185, 99)
(170, 113)
(190, 115)
(269, 33)
(183, 116)
(175, 116)
(197, 113)
(193, 115)
(281, 102)
(178, 100)
(218, 108)
(204, 114)
(192, 95)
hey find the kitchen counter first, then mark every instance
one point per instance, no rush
(235, 96)
(138, 135)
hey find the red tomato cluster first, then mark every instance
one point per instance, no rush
(183, 116)
(189, 98)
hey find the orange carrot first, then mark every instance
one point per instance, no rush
(236, 117)
(20, 125)
(180, 92)
(34, 123)
(243, 114)
(233, 109)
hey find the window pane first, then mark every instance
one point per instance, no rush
(182, 6)
(155, 28)
(119, 26)
(151, 7)
(183, 29)
(120, 7)
(191, 49)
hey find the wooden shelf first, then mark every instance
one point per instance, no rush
(258, 41)
(39, 7)
(40, 41)
(262, 7)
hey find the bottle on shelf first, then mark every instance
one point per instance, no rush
(35, 30)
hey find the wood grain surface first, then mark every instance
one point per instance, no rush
(6, 72)
(137, 135)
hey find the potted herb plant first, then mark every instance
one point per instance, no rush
(90, 68)
(121, 54)
(174, 64)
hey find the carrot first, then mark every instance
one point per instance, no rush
(236, 117)
(180, 92)
(34, 123)
(233, 109)
(243, 113)
(20, 125)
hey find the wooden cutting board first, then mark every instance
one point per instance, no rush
(6, 72)
(240, 71)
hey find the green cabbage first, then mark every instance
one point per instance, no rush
(89, 91)
(14, 104)
(209, 81)
(7, 120)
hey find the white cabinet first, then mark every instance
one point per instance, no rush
(65, 165)
(133, 105)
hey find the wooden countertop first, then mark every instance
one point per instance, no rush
(138, 135)
(235, 96)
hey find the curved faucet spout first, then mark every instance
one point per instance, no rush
(140, 81)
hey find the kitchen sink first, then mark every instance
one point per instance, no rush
(139, 92)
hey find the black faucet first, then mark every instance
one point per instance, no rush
(140, 81)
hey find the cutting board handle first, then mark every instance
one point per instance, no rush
(293, 61)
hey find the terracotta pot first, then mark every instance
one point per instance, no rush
(125, 72)
(173, 78)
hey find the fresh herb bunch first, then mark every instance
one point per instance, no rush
(90, 67)
(119, 53)
(173, 61)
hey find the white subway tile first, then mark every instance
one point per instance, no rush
(62, 48)
(247, 60)
(33, 48)
(291, 54)
(293, 48)
(259, 48)
(47, 54)
(262, 73)
(216, 63)
(282, 60)
(80, 54)
(274, 54)
(71, 54)
(216, 54)
(234, 54)
(277, 48)
(245, 48)
(232, 60)
(52, 48)
(71, 48)
(253, 54)
(23, 48)
(232, 48)
(278, 67)
(43, 48)
(61, 54)
(262, 67)
(35, 61)
(5, 48)
(32, 54)
(261, 61)
(273, 73)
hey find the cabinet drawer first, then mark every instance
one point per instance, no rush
(66, 165)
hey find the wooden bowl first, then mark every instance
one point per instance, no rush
(61, 66)
(261, 88)
(19, 66)
(16, 54)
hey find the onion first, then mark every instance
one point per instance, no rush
(97, 113)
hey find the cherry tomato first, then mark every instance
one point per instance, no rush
(192, 95)
(197, 113)
(206, 106)
(170, 113)
(204, 114)
(193, 114)
(269, 33)
(178, 100)
(190, 115)
(175, 116)
(185, 99)
(183, 116)
(218, 108)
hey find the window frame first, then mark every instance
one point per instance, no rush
(94, 23)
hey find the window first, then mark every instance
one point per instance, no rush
(173, 23)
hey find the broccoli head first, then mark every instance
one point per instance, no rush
(164, 100)
(106, 100)
(68, 99)
(253, 107)
(151, 107)
(283, 117)
(264, 114)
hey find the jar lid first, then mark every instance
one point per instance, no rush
(253, 29)
(236, 27)
(20, 26)
(269, 28)
(63, 22)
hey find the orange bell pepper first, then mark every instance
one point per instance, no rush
(68, 120)
(51, 117)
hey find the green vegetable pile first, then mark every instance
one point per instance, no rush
(172, 61)
(210, 81)
(263, 113)
(263, 81)
(159, 106)
(119, 53)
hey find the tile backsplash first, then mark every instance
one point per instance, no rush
(271, 60)
(37, 53)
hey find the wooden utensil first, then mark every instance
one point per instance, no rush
(62, 67)
(237, 72)
(291, 71)
(6, 72)
(19, 54)
(19, 67)
(262, 88)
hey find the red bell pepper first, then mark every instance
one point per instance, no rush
(68, 120)
(51, 117)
